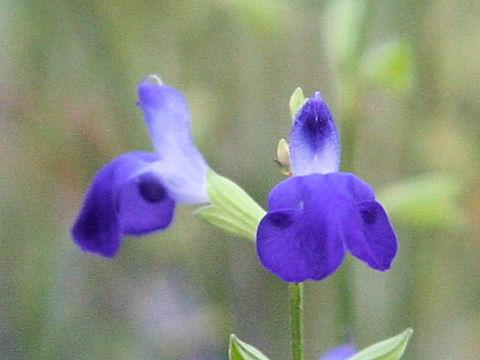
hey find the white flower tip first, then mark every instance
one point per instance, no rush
(318, 96)
(153, 78)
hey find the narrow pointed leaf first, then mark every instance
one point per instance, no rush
(390, 349)
(231, 209)
(239, 350)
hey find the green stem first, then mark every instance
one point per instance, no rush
(296, 312)
(345, 302)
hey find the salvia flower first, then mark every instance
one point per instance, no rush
(319, 213)
(136, 193)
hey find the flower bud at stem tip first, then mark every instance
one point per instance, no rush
(283, 156)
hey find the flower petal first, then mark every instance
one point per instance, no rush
(291, 193)
(341, 352)
(181, 184)
(144, 205)
(296, 249)
(378, 245)
(168, 121)
(356, 187)
(125, 197)
(302, 237)
(313, 218)
(314, 139)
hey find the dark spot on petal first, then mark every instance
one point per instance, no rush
(280, 220)
(150, 188)
(370, 214)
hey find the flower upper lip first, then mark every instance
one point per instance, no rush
(314, 139)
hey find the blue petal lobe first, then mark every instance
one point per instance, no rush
(302, 237)
(289, 247)
(312, 219)
(314, 139)
(288, 194)
(341, 352)
(168, 121)
(144, 205)
(356, 187)
(378, 245)
(291, 193)
(124, 197)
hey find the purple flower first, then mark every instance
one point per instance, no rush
(342, 352)
(136, 193)
(319, 213)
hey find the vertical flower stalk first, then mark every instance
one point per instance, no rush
(296, 314)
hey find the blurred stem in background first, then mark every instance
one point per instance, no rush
(348, 35)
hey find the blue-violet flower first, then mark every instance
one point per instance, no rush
(136, 193)
(314, 216)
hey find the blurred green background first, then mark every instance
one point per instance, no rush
(402, 79)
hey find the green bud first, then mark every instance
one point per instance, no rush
(283, 157)
(297, 100)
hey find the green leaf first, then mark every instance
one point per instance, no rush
(231, 209)
(391, 349)
(344, 22)
(388, 65)
(239, 350)
(297, 100)
(426, 201)
(265, 17)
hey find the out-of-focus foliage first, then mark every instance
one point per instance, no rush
(388, 66)
(425, 202)
(239, 350)
(345, 32)
(401, 79)
(390, 349)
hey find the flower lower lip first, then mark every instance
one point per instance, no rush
(339, 213)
